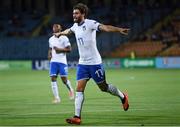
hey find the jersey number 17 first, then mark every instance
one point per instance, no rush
(80, 41)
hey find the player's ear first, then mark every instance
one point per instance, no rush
(83, 14)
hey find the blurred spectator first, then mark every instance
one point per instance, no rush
(16, 21)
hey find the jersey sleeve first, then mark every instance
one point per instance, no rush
(50, 45)
(94, 25)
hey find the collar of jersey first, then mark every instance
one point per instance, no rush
(79, 24)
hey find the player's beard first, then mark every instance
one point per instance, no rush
(77, 20)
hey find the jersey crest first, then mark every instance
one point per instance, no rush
(84, 28)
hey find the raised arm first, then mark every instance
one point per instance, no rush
(109, 28)
(65, 32)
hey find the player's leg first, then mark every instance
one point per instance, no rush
(69, 87)
(54, 85)
(55, 90)
(63, 70)
(105, 87)
(79, 99)
(81, 84)
(82, 78)
(110, 89)
(98, 74)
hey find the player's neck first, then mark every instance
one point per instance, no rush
(56, 35)
(81, 22)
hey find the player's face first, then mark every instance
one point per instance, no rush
(77, 16)
(55, 29)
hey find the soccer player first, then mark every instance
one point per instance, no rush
(58, 47)
(90, 63)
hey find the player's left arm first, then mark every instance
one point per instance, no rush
(110, 28)
(62, 50)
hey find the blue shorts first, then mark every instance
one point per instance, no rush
(58, 68)
(91, 71)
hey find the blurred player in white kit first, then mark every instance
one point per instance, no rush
(58, 47)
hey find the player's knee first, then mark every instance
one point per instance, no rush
(103, 88)
(53, 79)
(65, 82)
(79, 90)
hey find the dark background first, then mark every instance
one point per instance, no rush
(25, 26)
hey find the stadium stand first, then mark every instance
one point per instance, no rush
(173, 50)
(163, 41)
(17, 28)
(141, 49)
(20, 24)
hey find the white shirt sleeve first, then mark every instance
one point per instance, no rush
(50, 46)
(94, 25)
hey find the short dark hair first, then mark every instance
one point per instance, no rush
(82, 8)
(58, 26)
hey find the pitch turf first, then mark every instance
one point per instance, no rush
(154, 96)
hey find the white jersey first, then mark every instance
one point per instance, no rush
(85, 34)
(61, 42)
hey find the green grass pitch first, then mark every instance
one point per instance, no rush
(154, 96)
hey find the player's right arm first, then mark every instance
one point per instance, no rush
(49, 54)
(65, 32)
